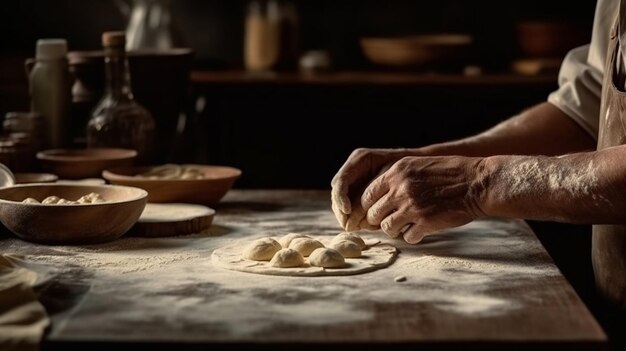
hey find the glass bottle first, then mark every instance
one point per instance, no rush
(118, 120)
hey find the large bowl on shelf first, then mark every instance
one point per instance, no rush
(84, 163)
(70, 224)
(414, 51)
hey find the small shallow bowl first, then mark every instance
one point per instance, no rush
(207, 191)
(84, 163)
(70, 224)
(26, 178)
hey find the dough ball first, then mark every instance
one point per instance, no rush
(347, 248)
(261, 249)
(286, 258)
(350, 237)
(30, 200)
(66, 202)
(305, 245)
(286, 240)
(90, 198)
(327, 258)
(51, 200)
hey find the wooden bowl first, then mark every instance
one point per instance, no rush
(208, 191)
(26, 178)
(70, 224)
(417, 50)
(547, 39)
(84, 163)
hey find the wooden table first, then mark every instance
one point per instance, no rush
(488, 284)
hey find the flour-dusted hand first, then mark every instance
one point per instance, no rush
(357, 172)
(420, 195)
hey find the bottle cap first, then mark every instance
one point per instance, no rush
(116, 38)
(51, 49)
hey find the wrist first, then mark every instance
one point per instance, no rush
(487, 186)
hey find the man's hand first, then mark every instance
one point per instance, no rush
(357, 172)
(420, 195)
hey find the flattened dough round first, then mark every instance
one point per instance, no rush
(287, 258)
(347, 248)
(376, 256)
(261, 249)
(327, 258)
(351, 237)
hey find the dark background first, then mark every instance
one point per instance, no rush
(214, 28)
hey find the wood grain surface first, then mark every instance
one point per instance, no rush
(159, 220)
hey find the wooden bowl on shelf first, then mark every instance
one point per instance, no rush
(216, 182)
(84, 163)
(70, 224)
(414, 51)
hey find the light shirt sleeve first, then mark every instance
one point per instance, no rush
(582, 71)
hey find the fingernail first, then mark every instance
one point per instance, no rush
(412, 240)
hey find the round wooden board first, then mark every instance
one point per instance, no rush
(159, 220)
(375, 257)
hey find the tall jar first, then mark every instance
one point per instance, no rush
(262, 35)
(118, 120)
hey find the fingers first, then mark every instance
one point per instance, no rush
(394, 224)
(398, 225)
(342, 218)
(355, 218)
(364, 225)
(374, 191)
(339, 196)
(413, 234)
(380, 210)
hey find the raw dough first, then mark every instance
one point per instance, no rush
(90, 198)
(327, 258)
(376, 256)
(305, 245)
(173, 171)
(261, 249)
(286, 258)
(287, 239)
(51, 200)
(347, 248)
(351, 237)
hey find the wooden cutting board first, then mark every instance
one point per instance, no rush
(159, 220)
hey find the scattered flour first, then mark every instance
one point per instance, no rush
(138, 284)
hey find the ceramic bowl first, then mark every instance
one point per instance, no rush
(84, 163)
(26, 178)
(70, 224)
(208, 191)
(417, 50)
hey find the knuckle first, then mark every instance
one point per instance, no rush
(367, 197)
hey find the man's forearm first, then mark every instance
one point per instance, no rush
(540, 130)
(585, 187)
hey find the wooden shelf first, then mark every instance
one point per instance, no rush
(364, 78)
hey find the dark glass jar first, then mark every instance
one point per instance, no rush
(118, 120)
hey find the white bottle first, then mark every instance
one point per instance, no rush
(50, 90)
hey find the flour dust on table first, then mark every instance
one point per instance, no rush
(319, 255)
